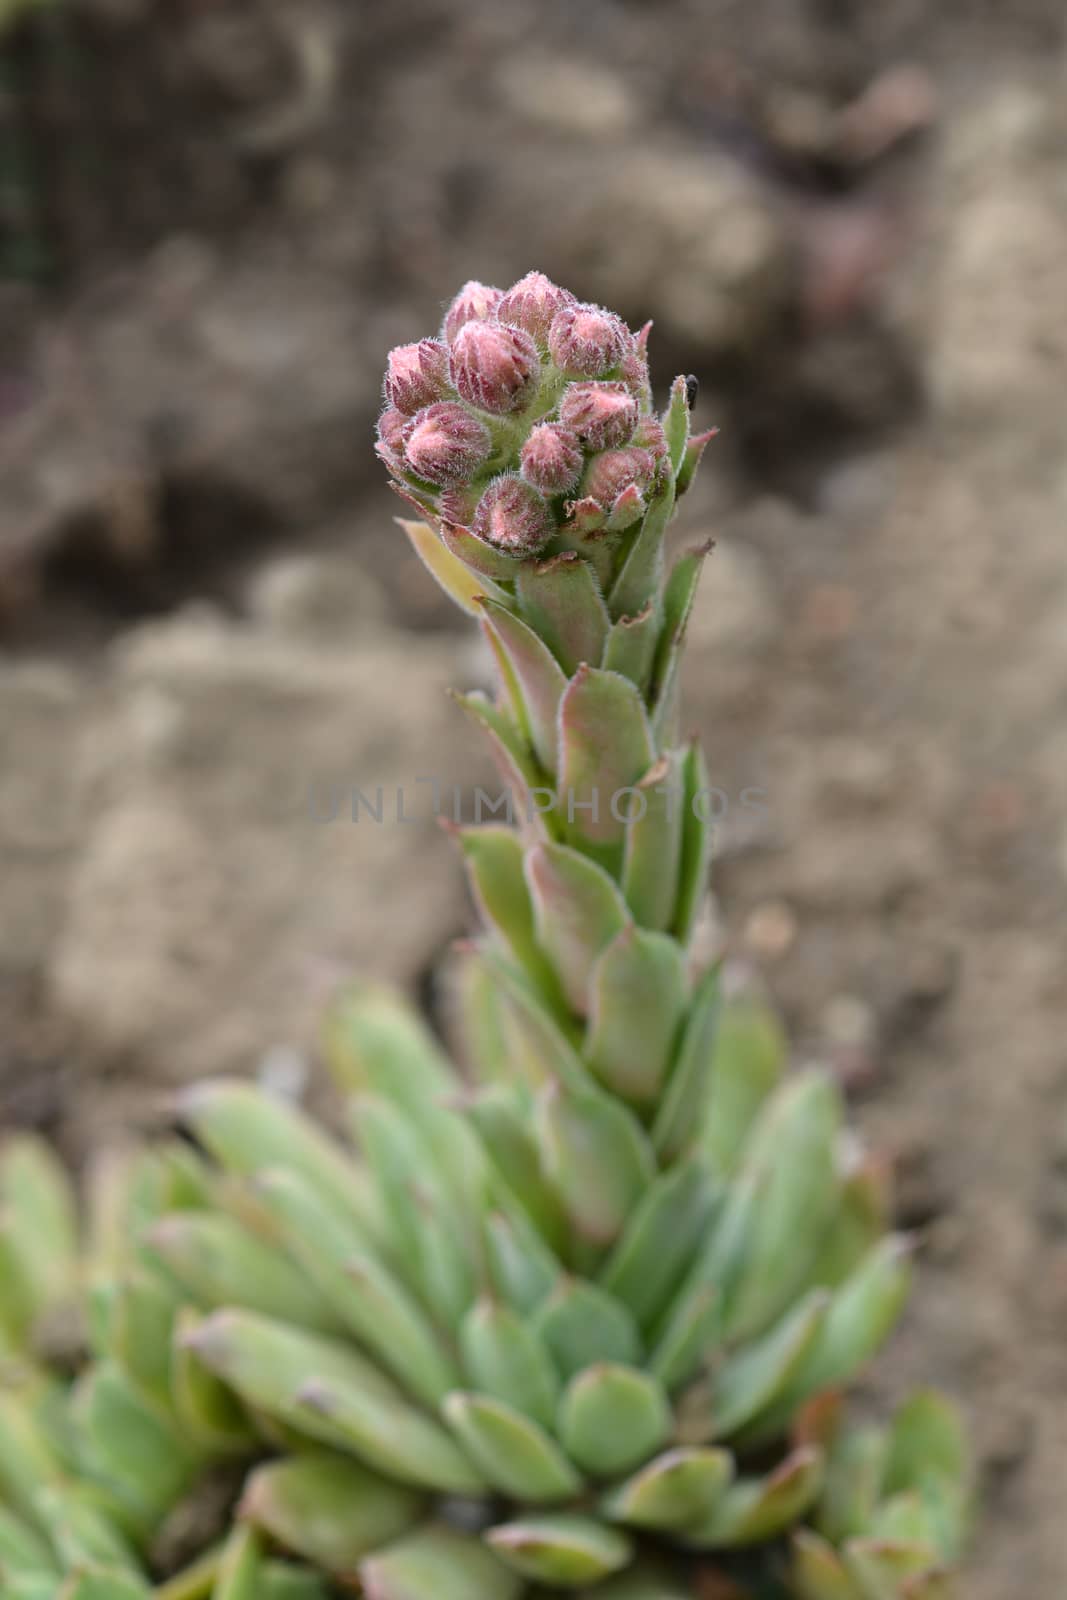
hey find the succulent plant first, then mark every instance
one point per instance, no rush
(574, 1324)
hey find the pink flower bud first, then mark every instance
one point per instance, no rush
(495, 367)
(474, 302)
(532, 303)
(512, 516)
(457, 505)
(551, 458)
(391, 428)
(608, 475)
(633, 370)
(417, 375)
(444, 444)
(601, 414)
(650, 436)
(586, 341)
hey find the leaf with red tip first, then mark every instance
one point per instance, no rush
(754, 1510)
(626, 509)
(678, 598)
(606, 747)
(638, 581)
(631, 646)
(578, 910)
(484, 560)
(694, 449)
(536, 676)
(461, 585)
(562, 603)
(514, 761)
(676, 422)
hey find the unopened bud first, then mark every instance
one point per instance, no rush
(610, 474)
(513, 516)
(552, 458)
(417, 375)
(532, 303)
(633, 370)
(603, 415)
(474, 302)
(587, 341)
(650, 436)
(392, 425)
(445, 444)
(495, 367)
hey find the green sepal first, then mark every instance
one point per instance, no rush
(514, 1454)
(749, 1055)
(695, 852)
(562, 603)
(613, 1417)
(581, 1324)
(606, 747)
(568, 1552)
(328, 1392)
(647, 1265)
(438, 1563)
(504, 1358)
(327, 1508)
(683, 1107)
(578, 911)
(533, 677)
(677, 1490)
(637, 989)
(597, 1156)
(653, 850)
(754, 1510)
(631, 646)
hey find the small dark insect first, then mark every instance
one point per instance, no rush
(692, 389)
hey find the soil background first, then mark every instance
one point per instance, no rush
(850, 222)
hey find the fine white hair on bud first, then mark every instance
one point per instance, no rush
(417, 375)
(586, 340)
(512, 516)
(446, 445)
(532, 303)
(495, 367)
(551, 459)
(474, 302)
(602, 415)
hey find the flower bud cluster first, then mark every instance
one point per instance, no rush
(527, 417)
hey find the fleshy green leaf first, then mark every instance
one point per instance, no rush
(676, 1491)
(649, 1261)
(568, 1552)
(327, 1508)
(606, 748)
(597, 1156)
(757, 1374)
(438, 1563)
(753, 1510)
(613, 1417)
(561, 602)
(534, 676)
(514, 1454)
(505, 1359)
(460, 584)
(749, 1054)
(578, 910)
(581, 1324)
(631, 646)
(653, 850)
(638, 992)
(695, 846)
(684, 1105)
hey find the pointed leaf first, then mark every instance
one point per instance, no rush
(568, 1552)
(578, 911)
(631, 646)
(855, 1475)
(684, 1106)
(606, 748)
(756, 1375)
(460, 584)
(676, 1491)
(612, 1418)
(502, 1123)
(678, 598)
(694, 450)
(132, 1445)
(749, 1053)
(650, 1260)
(597, 1156)
(514, 762)
(505, 1359)
(538, 1050)
(653, 851)
(514, 1454)
(536, 675)
(688, 1334)
(638, 991)
(483, 560)
(241, 1568)
(817, 1571)
(521, 1267)
(437, 1563)
(331, 1394)
(327, 1508)
(563, 605)
(753, 1510)
(676, 422)
(581, 1324)
(695, 846)
(639, 579)
(208, 1412)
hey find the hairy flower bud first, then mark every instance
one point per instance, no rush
(603, 415)
(417, 375)
(586, 341)
(532, 303)
(513, 516)
(474, 302)
(495, 367)
(552, 458)
(446, 445)
(392, 425)
(633, 370)
(650, 436)
(610, 474)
